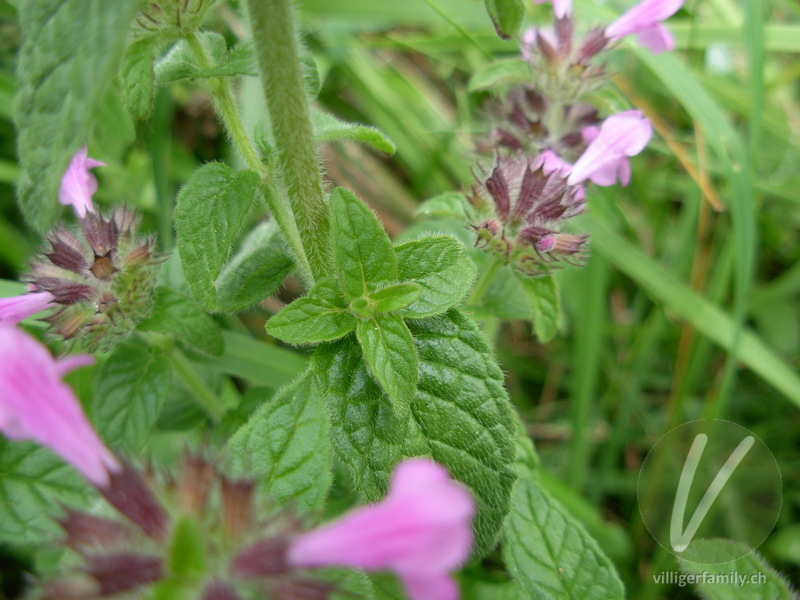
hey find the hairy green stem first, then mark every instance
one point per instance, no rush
(278, 52)
(278, 204)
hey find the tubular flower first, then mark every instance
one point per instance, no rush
(421, 531)
(35, 404)
(78, 184)
(644, 20)
(561, 8)
(606, 157)
(15, 309)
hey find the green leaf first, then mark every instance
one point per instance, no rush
(507, 16)
(287, 444)
(389, 352)
(460, 416)
(501, 72)
(33, 482)
(441, 267)
(363, 252)
(759, 581)
(176, 313)
(131, 389)
(137, 77)
(395, 297)
(258, 362)
(545, 306)
(328, 128)
(322, 316)
(549, 551)
(211, 210)
(70, 51)
(180, 63)
(450, 204)
(256, 271)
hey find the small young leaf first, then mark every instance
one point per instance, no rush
(547, 550)
(757, 579)
(70, 51)
(176, 313)
(460, 416)
(441, 267)
(501, 72)
(210, 212)
(131, 389)
(137, 77)
(322, 316)
(256, 271)
(395, 297)
(543, 296)
(363, 252)
(328, 128)
(392, 359)
(450, 204)
(507, 16)
(33, 481)
(286, 442)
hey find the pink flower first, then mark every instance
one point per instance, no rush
(15, 309)
(35, 404)
(605, 160)
(644, 20)
(78, 184)
(421, 531)
(550, 162)
(561, 8)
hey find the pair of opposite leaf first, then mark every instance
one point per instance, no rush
(377, 288)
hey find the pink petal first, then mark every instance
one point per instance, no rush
(35, 404)
(17, 308)
(657, 39)
(590, 133)
(422, 527)
(551, 162)
(430, 587)
(70, 363)
(642, 16)
(623, 134)
(78, 185)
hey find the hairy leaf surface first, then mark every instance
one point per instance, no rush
(441, 267)
(322, 316)
(363, 252)
(131, 389)
(70, 51)
(210, 212)
(550, 553)
(460, 416)
(286, 442)
(256, 271)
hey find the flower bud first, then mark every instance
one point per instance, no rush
(101, 278)
(170, 18)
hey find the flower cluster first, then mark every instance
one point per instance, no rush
(202, 534)
(170, 18)
(99, 277)
(548, 141)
